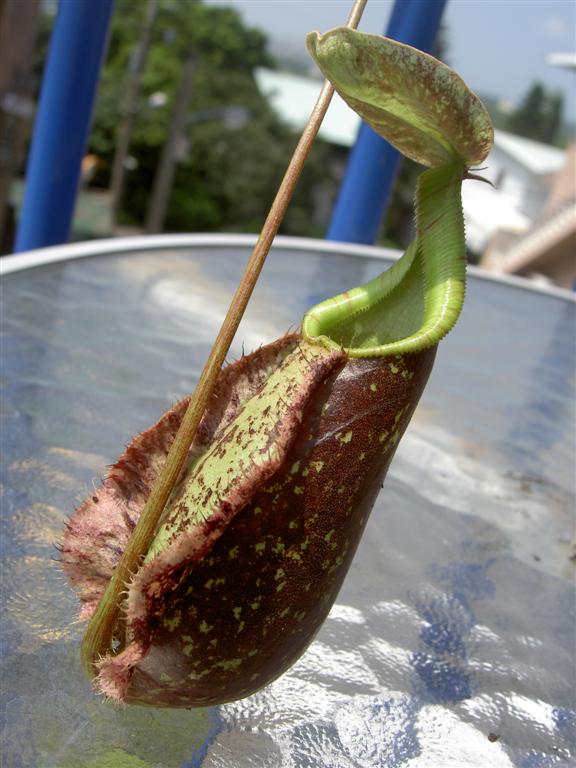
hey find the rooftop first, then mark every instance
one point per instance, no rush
(294, 96)
(538, 158)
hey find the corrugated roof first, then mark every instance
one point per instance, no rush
(536, 157)
(294, 96)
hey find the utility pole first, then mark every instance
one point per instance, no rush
(130, 109)
(62, 125)
(167, 164)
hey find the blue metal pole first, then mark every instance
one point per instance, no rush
(373, 163)
(62, 122)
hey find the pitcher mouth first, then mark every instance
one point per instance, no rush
(425, 110)
(414, 303)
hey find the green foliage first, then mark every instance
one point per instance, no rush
(539, 115)
(227, 179)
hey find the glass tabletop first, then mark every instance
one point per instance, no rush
(452, 640)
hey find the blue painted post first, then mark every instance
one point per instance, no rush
(62, 122)
(373, 163)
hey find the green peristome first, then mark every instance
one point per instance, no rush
(417, 301)
(427, 112)
(418, 104)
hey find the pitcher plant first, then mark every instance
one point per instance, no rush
(264, 518)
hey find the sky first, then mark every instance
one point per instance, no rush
(499, 47)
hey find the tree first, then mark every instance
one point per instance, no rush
(539, 115)
(229, 169)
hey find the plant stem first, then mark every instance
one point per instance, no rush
(100, 631)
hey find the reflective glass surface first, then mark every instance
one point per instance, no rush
(451, 644)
